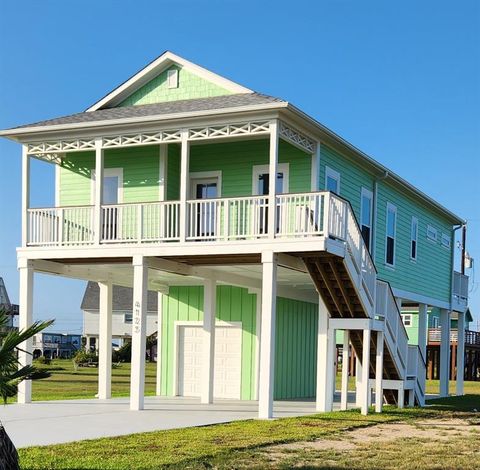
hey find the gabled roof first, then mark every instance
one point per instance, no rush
(234, 101)
(153, 69)
(122, 298)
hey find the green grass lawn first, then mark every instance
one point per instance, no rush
(66, 383)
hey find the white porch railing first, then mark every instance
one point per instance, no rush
(395, 333)
(416, 369)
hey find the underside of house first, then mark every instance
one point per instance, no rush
(228, 204)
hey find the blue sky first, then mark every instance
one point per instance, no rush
(400, 80)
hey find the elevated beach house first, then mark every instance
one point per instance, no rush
(262, 231)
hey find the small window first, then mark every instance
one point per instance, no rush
(414, 238)
(128, 318)
(172, 78)
(407, 320)
(390, 234)
(366, 216)
(435, 322)
(332, 180)
(446, 240)
(431, 233)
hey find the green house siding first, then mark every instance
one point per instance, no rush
(189, 86)
(430, 274)
(295, 349)
(295, 352)
(140, 175)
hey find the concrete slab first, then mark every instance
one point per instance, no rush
(55, 422)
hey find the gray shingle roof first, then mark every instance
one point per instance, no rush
(122, 298)
(170, 107)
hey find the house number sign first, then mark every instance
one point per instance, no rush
(137, 317)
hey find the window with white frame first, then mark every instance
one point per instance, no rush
(435, 322)
(128, 318)
(332, 180)
(172, 78)
(366, 216)
(432, 233)
(414, 238)
(407, 319)
(391, 229)
(446, 240)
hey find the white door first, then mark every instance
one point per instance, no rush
(228, 361)
(205, 217)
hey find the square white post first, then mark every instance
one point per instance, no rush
(379, 373)
(272, 180)
(460, 353)
(139, 323)
(325, 359)
(365, 371)
(184, 183)
(97, 210)
(358, 382)
(24, 321)
(25, 193)
(105, 341)
(314, 185)
(267, 338)
(422, 329)
(401, 396)
(208, 349)
(444, 352)
(160, 299)
(345, 364)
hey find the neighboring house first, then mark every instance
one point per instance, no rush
(56, 345)
(471, 338)
(121, 314)
(10, 309)
(262, 231)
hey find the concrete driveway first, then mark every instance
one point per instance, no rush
(54, 422)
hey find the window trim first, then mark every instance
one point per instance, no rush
(394, 210)
(258, 170)
(333, 174)
(432, 228)
(404, 318)
(446, 238)
(414, 219)
(172, 78)
(369, 194)
(107, 172)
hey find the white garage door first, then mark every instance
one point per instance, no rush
(228, 361)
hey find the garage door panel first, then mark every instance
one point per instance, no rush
(227, 374)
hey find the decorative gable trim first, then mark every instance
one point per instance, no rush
(166, 60)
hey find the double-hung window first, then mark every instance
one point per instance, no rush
(366, 216)
(332, 180)
(407, 320)
(390, 234)
(414, 239)
(446, 240)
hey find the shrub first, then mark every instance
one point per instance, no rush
(43, 360)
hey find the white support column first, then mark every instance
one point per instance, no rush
(315, 175)
(158, 388)
(358, 382)
(162, 174)
(25, 193)
(139, 323)
(184, 183)
(267, 338)
(208, 350)
(365, 371)
(345, 364)
(422, 329)
(272, 180)
(325, 359)
(460, 354)
(24, 321)
(105, 341)
(97, 210)
(401, 397)
(444, 352)
(379, 373)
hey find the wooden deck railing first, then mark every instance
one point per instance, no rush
(471, 337)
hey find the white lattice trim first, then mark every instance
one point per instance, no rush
(60, 146)
(297, 138)
(142, 139)
(229, 130)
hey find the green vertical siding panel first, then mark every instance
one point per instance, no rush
(173, 172)
(295, 349)
(189, 86)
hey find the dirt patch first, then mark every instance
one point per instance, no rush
(433, 429)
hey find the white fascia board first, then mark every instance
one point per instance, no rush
(99, 125)
(320, 131)
(154, 69)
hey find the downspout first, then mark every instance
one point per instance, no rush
(374, 223)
